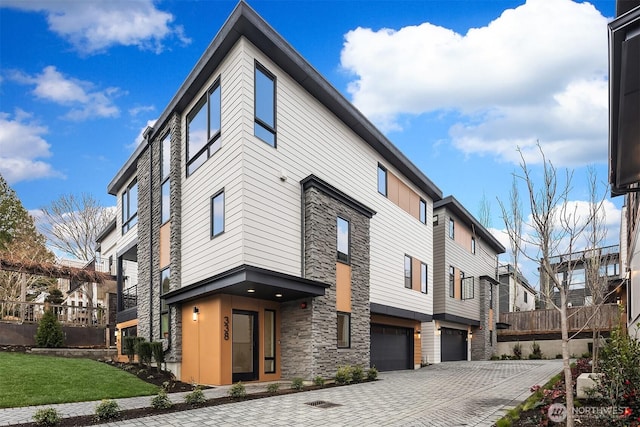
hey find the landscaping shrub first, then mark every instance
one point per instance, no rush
(273, 388)
(158, 354)
(343, 375)
(536, 353)
(297, 383)
(517, 351)
(107, 410)
(319, 381)
(196, 397)
(372, 373)
(129, 347)
(238, 390)
(161, 400)
(357, 374)
(505, 357)
(47, 417)
(145, 352)
(495, 357)
(49, 333)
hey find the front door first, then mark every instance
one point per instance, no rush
(245, 345)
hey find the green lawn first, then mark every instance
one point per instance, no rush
(28, 379)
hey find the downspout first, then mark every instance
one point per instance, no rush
(147, 136)
(302, 231)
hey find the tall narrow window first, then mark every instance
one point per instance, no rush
(217, 214)
(423, 211)
(165, 206)
(269, 341)
(130, 206)
(344, 330)
(343, 238)
(407, 271)
(452, 228)
(473, 245)
(526, 296)
(265, 105)
(423, 278)
(382, 180)
(452, 282)
(164, 307)
(203, 129)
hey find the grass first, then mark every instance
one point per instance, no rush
(28, 379)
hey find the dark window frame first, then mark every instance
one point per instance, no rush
(452, 228)
(424, 278)
(211, 146)
(212, 212)
(423, 211)
(467, 287)
(164, 307)
(341, 256)
(258, 67)
(275, 343)
(408, 280)
(473, 245)
(348, 338)
(166, 178)
(452, 282)
(129, 219)
(383, 170)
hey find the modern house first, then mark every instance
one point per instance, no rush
(624, 142)
(516, 294)
(269, 229)
(465, 283)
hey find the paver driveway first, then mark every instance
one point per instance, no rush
(448, 394)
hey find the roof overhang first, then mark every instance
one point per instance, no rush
(446, 317)
(245, 22)
(402, 313)
(624, 102)
(252, 282)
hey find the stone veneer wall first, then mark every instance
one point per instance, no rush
(175, 238)
(483, 344)
(309, 336)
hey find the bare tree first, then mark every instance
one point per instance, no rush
(512, 218)
(484, 215)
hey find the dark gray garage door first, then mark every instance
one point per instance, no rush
(453, 344)
(391, 348)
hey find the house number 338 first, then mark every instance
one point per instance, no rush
(226, 328)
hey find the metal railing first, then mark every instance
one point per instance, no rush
(32, 312)
(130, 297)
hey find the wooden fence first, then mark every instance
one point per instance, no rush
(548, 321)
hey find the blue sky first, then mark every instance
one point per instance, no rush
(457, 85)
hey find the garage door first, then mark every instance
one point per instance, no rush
(453, 344)
(391, 348)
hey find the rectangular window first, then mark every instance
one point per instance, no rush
(269, 341)
(490, 296)
(423, 211)
(165, 165)
(423, 278)
(130, 207)
(265, 105)
(343, 239)
(407, 271)
(217, 214)
(473, 245)
(382, 180)
(452, 282)
(452, 228)
(468, 286)
(203, 129)
(344, 330)
(127, 332)
(164, 307)
(526, 296)
(435, 220)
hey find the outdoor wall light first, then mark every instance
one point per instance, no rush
(116, 331)
(195, 313)
(439, 331)
(418, 333)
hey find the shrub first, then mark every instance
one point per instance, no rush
(297, 383)
(517, 351)
(238, 390)
(161, 400)
(129, 347)
(158, 353)
(586, 355)
(372, 373)
(495, 357)
(318, 380)
(505, 357)
(47, 417)
(343, 375)
(107, 410)
(357, 374)
(145, 351)
(273, 388)
(49, 333)
(558, 356)
(536, 353)
(196, 397)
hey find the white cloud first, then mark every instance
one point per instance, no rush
(92, 26)
(537, 72)
(21, 145)
(140, 136)
(81, 96)
(135, 111)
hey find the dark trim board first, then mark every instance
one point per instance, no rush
(400, 312)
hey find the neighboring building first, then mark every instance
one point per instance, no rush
(516, 294)
(275, 232)
(465, 304)
(624, 142)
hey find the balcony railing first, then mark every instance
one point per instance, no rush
(32, 312)
(130, 297)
